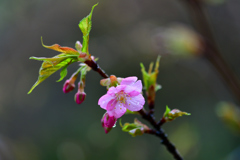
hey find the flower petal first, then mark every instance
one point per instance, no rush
(120, 88)
(131, 91)
(118, 110)
(135, 103)
(103, 101)
(138, 86)
(129, 80)
(111, 104)
(112, 91)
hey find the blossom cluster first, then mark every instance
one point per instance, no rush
(118, 99)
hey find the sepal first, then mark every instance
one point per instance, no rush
(111, 81)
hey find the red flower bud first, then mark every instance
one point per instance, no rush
(68, 86)
(80, 97)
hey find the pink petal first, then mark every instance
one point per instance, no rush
(131, 91)
(118, 110)
(134, 93)
(120, 88)
(129, 81)
(111, 104)
(135, 103)
(103, 101)
(112, 91)
(138, 86)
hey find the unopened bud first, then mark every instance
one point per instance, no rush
(78, 45)
(112, 81)
(68, 86)
(80, 97)
(108, 122)
(170, 115)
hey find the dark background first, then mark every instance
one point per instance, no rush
(49, 125)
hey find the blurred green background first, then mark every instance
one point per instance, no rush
(49, 125)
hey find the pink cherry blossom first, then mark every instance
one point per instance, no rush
(125, 96)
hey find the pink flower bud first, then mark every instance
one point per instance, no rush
(78, 45)
(111, 81)
(80, 97)
(108, 122)
(68, 86)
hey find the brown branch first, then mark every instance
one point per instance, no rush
(161, 122)
(161, 134)
(93, 64)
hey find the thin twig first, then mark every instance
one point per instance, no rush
(93, 64)
(161, 134)
(161, 122)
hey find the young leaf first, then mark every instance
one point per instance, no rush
(170, 115)
(150, 77)
(134, 129)
(51, 65)
(146, 76)
(57, 47)
(167, 111)
(63, 73)
(85, 25)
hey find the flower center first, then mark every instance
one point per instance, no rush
(121, 96)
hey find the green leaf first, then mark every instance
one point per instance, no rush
(167, 111)
(170, 115)
(85, 25)
(145, 76)
(63, 73)
(127, 127)
(51, 65)
(135, 129)
(150, 77)
(136, 132)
